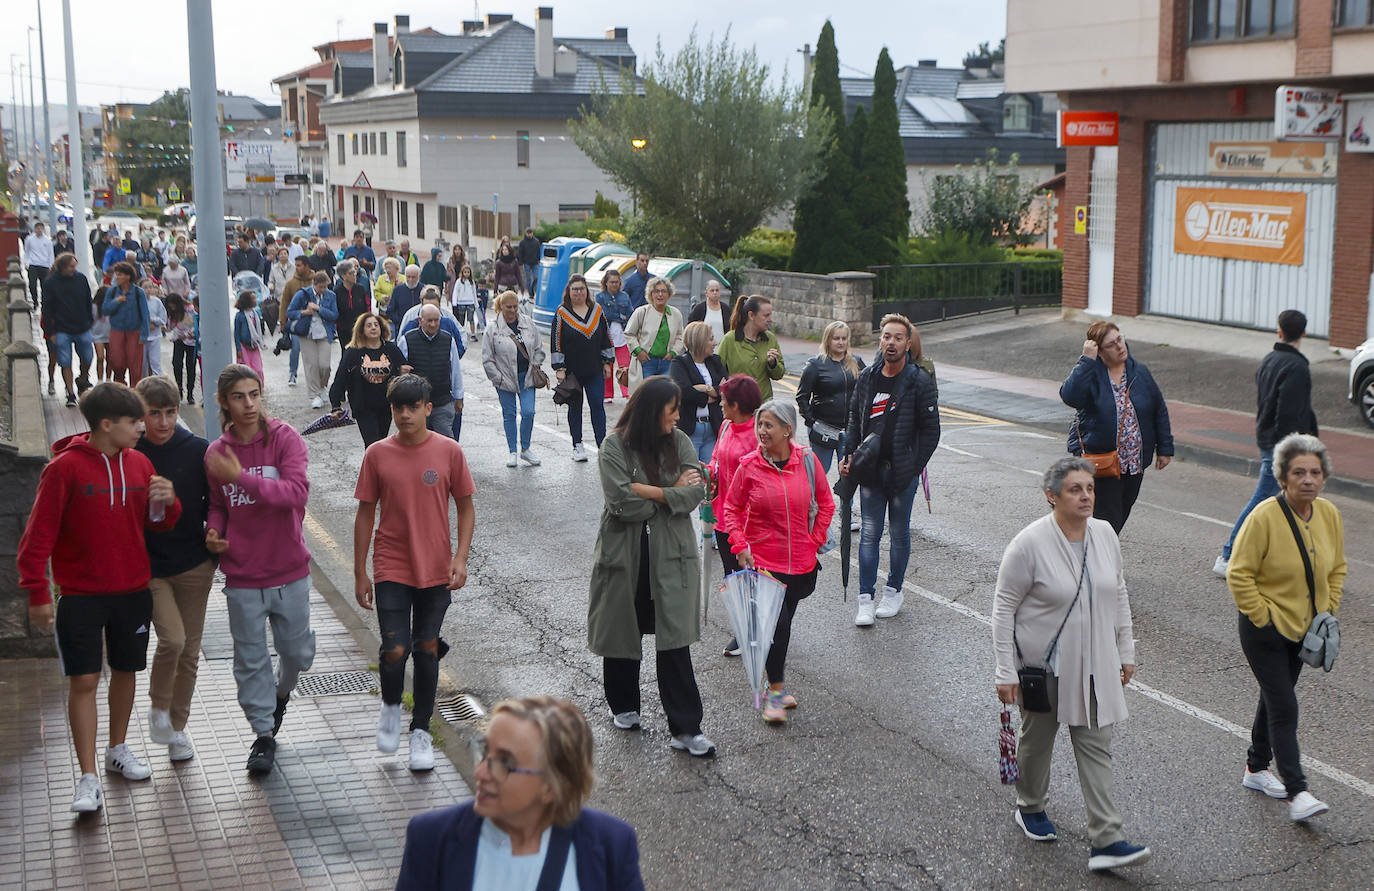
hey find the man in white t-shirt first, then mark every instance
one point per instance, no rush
(38, 258)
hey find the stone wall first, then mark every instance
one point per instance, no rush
(23, 454)
(804, 304)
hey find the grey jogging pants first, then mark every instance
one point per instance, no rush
(288, 609)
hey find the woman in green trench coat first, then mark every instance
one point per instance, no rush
(645, 574)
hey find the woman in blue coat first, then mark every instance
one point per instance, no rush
(312, 315)
(1121, 408)
(527, 829)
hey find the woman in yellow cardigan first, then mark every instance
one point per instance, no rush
(1269, 584)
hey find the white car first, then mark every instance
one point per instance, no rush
(1362, 381)
(123, 219)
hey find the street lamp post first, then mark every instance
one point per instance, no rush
(33, 131)
(76, 167)
(47, 129)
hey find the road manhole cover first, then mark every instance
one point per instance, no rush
(460, 708)
(336, 684)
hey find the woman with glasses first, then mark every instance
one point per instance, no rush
(527, 826)
(654, 332)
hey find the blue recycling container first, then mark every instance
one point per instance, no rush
(554, 261)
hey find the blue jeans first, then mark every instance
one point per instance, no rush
(704, 441)
(532, 280)
(650, 367)
(407, 616)
(295, 354)
(590, 392)
(85, 348)
(873, 503)
(1265, 487)
(525, 398)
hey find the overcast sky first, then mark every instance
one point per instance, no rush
(133, 52)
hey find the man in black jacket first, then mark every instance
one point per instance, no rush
(1284, 386)
(67, 311)
(245, 257)
(894, 400)
(527, 252)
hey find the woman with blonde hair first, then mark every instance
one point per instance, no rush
(528, 824)
(511, 355)
(827, 383)
(654, 332)
(387, 282)
(698, 373)
(370, 361)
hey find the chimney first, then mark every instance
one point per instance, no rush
(497, 18)
(543, 42)
(617, 33)
(381, 55)
(472, 26)
(927, 63)
(402, 25)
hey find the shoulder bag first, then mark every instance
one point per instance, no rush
(1105, 464)
(541, 380)
(1322, 642)
(1034, 679)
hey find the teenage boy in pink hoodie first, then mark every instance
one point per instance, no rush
(258, 490)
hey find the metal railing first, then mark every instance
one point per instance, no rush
(926, 293)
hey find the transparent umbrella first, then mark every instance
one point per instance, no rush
(753, 601)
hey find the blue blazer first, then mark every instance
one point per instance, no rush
(1088, 388)
(441, 851)
(329, 308)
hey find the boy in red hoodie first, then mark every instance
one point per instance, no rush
(94, 500)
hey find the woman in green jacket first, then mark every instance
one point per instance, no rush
(645, 574)
(750, 348)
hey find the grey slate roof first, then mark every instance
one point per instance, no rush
(244, 108)
(504, 63)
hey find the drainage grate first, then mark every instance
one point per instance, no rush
(336, 684)
(460, 708)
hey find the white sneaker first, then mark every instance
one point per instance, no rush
(513, 459)
(88, 798)
(890, 603)
(389, 728)
(696, 745)
(317, 402)
(1305, 806)
(159, 726)
(579, 453)
(121, 759)
(291, 382)
(1219, 568)
(421, 750)
(528, 457)
(1264, 781)
(626, 720)
(856, 525)
(864, 617)
(180, 748)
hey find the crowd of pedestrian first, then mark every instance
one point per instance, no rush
(701, 425)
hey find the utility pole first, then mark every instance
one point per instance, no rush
(33, 132)
(77, 193)
(47, 129)
(16, 121)
(213, 275)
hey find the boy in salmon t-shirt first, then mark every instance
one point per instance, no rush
(412, 473)
(94, 500)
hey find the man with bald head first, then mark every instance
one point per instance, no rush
(433, 354)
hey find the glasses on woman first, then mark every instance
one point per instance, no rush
(501, 766)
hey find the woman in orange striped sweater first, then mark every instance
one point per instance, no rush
(582, 348)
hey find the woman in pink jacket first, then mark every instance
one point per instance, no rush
(768, 512)
(739, 399)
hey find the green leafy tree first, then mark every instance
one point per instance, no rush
(986, 51)
(987, 201)
(827, 230)
(879, 202)
(722, 147)
(604, 208)
(858, 129)
(156, 152)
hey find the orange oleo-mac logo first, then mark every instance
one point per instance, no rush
(1241, 224)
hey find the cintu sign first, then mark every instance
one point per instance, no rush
(1241, 224)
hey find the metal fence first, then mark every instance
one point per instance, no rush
(948, 290)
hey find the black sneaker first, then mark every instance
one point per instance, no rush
(71, 400)
(82, 385)
(263, 755)
(279, 713)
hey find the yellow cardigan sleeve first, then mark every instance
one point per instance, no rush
(1247, 554)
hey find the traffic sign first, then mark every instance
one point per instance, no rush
(124, 186)
(173, 192)
(1080, 220)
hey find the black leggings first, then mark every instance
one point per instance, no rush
(373, 425)
(677, 682)
(1116, 497)
(1274, 661)
(184, 355)
(799, 587)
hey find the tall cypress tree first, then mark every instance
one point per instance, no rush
(827, 230)
(858, 128)
(880, 202)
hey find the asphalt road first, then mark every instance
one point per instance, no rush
(886, 776)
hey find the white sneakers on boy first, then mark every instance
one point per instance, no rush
(389, 728)
(121, 759)
(159, 726)
(890, 603)
(421, 750)
(88, 798)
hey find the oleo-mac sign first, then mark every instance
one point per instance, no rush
(1241, 224)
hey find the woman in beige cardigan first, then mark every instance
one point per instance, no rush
(1065, 570)
(654, 332)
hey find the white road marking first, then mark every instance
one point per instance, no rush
(950, 448)
(567, 437)
(1334, 773)
(1225, 524)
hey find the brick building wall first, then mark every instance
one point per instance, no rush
(1313, 38)
(1139, 109)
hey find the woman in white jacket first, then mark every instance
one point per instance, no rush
(654, 332)
(1061, 606)
(511, 351)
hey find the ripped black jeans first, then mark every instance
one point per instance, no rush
(410, 620)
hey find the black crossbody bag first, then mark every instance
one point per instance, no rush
(1322, 642)
(1034, 679)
